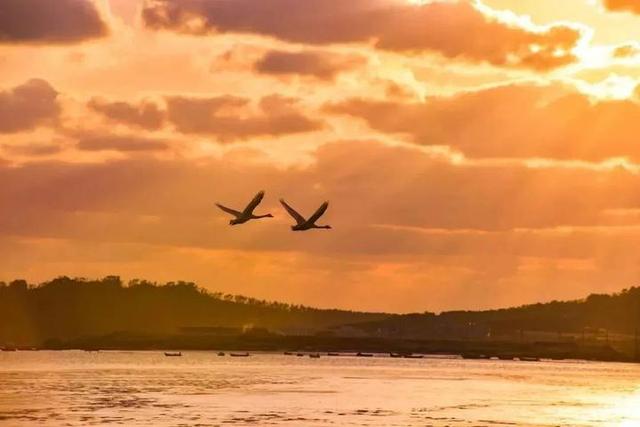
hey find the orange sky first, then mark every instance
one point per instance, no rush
(476, 153)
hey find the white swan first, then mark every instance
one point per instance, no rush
(247, 213)
(303, 224)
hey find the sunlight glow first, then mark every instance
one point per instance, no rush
(623, 411)
(613, 87)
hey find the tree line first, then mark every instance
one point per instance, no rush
(70, 308)
(67, 308)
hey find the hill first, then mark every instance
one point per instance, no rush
(66, 309)
(597, 316)
(108, 313)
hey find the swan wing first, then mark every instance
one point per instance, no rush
(229, 210)
(321, 210)
(299, 218)
(254, 203)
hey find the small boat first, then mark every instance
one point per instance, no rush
(170, 354)
(221, 353)
(395, 355)
(314, 355)
(360, 354)
(529, 359)
(288, 353)
(413, 356)
(333, 354)
(505, 357)
(300, 354)
(474, 356)
(245, 354)
(8, 349)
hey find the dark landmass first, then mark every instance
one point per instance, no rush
(107, 314)
(67, 309)
(325, 344)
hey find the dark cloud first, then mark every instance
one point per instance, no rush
(146, 114)
(49, 21)
(518, 121)
(32, 150)
(32, 104)
(454, 29)
(396, 91)
(120, 143)
(323, 65)
(230, 117)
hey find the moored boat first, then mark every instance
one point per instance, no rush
(413, 356)
(505, 357)
(173, 354)
(245, 354)
(474, 356)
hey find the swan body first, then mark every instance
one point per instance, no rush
(247, 214)
(303, 224)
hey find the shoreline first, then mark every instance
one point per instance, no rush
(506, 350)
(425, 357)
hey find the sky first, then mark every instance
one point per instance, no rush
(476, 154)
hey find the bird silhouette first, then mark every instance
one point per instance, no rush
(303, 224)
(247, 213)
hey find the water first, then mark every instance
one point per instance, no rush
(74, 388)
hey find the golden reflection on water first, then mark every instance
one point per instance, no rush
(200, 388)
(623, 411)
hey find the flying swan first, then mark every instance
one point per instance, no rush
(247, 213)
(303, 224)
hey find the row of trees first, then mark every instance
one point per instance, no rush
(616, 313)
(67, 308)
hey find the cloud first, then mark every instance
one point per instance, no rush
(146, 115)
(32, 150)
(32, 104)
(398, 187)
(628, 50)
(319, 64)
(120, 143)
(230, 117)
(46, 21)
(453, 29)
(516, 121)
(623, 5)
(402, 220)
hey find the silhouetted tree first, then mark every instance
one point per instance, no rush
(67, 308)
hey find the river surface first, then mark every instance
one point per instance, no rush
(75, 388)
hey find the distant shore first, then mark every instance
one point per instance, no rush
(319, 344)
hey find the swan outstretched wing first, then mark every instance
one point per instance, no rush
(254, 203)
(229, 210)
(321, 210)
(299, 218)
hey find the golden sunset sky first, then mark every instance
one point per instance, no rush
(476, 154)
